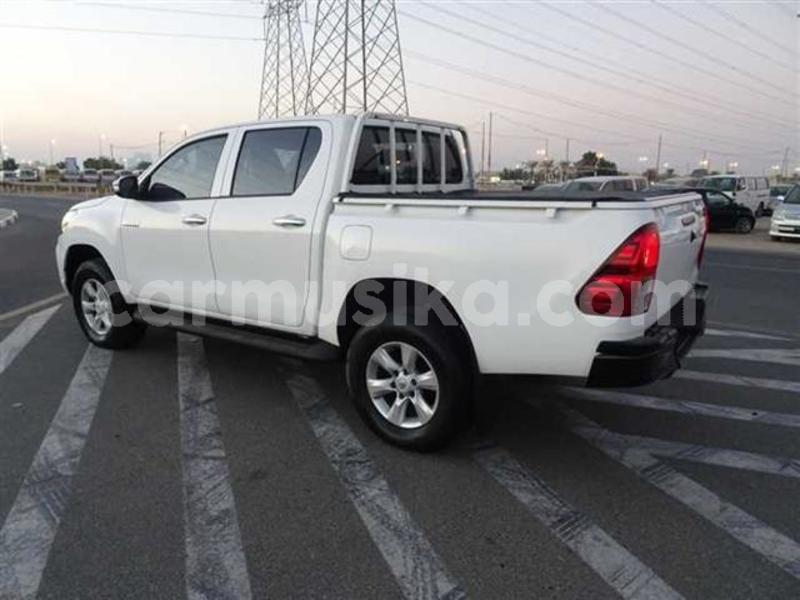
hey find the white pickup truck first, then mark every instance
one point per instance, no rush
(364, 237)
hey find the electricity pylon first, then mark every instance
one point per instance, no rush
(284, 76)
(356, 62)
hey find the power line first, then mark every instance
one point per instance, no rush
(643, 47)
(592, 108)
(496, 80)
(737, 70)
(522, 111)
(726, 15)
(178, 11)
(626, 91)
(129, 32)
(643, 78)
(513, 109)
(731, 39)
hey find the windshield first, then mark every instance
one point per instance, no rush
(725, 184)
(793, 197)
(779, 190)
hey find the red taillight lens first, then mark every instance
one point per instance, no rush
(623, 286)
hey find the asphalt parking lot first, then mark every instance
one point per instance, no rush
(201, 469)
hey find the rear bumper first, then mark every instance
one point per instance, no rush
(657, 354)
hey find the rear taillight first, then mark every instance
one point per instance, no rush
(623, 286)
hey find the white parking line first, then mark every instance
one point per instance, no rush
(779, 356)
(215, 561)
(747, 529)
(719, 457)
(688, 407)
(750, 267)
(411, 558)
(32, 306)
(740, 380)
(32, 523)
(620, 569)
(23, 333)
(745, 334)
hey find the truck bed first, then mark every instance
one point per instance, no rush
(522, 199)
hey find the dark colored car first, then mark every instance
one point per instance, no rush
(725, 213)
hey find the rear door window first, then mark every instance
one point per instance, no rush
(274, 162)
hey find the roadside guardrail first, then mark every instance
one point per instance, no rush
(56, 187)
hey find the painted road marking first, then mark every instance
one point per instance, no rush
(747, 529)
(411, 558)
(32, 523)
(718, 457)
(740, 380)
(15, 342)
(32, 306)
(778, 356)
(215, 562)
(620, 569)
(751, 268)
(745, 334)
(750, 328)
(687, 407)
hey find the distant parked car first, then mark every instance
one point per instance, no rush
(70, 176)
(545, 187)
(679, 182)
(90, 176)
(725, 213)
(8, 176)
(122, 173)
(777, 193)
(107, 175)
(753, 192)
(27, 174)
(786, 219)
(610, 183)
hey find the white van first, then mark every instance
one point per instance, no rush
(752, 192)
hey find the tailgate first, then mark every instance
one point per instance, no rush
(682, 229)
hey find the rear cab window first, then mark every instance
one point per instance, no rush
(425, 158)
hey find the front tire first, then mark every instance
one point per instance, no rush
(102, 312)
(411, 384)
(744, 225)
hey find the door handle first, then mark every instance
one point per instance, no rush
(289, 221)
(194, 220)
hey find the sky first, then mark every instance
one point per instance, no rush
(717, 80)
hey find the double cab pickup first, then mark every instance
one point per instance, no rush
(363, 238)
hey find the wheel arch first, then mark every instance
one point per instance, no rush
(76, 255)
(417, 297)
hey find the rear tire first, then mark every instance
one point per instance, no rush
(421, 405)
(744, 225)
(104, 316)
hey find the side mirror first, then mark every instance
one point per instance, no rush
(126, 186)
